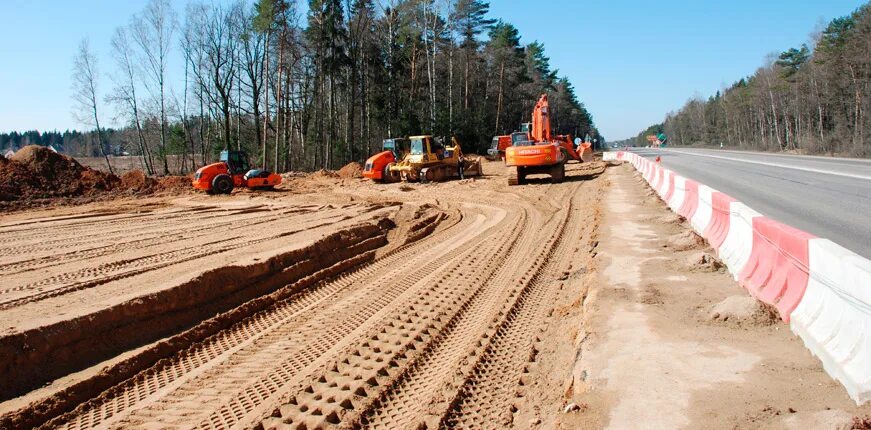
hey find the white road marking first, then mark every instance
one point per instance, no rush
(783, 166)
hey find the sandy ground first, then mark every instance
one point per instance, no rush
(342, 303)
(668, 340)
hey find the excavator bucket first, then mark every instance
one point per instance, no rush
(585, 151)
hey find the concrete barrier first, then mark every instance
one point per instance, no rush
(777, 271)
(834, 316)
(702, 217)
(736, 249)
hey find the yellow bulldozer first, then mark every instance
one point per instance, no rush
(427, 160)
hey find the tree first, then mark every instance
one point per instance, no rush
(85, 75)
(125, 91)
(153, 30)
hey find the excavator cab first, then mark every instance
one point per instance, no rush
(520, 138)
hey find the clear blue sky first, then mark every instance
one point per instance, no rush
(631, 61)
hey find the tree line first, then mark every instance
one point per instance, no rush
(811, 99)
(69, 141)
(302, 93)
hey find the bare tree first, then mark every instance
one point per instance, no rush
(152, 31)
(221, 46)
(85, 93)
(124, 93)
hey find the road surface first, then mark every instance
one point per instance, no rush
(828, 197)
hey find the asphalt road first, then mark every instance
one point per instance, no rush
(827, 197)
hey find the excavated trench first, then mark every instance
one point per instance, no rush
(162, 323)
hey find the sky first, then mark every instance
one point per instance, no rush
(631, 61)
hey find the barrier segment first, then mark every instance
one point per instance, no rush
(736, 249)
(678, 193)
(777, 271)
(657, 178)
(669, 188)
(690, 201)
(704, 210)
(834, 317)
(718, 229)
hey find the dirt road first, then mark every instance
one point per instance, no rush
(341, 303)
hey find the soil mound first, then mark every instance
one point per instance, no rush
(38, 172)
(351, 170)
(744, 311)
(324, 173)
(136, 181)
(685, 241)
(175, 184)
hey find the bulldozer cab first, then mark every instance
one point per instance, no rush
(430, 148)
(398, 146)
(237, 161)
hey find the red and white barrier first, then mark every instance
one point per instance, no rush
(704, 210)
(820, 288)
(718, 229)
(678, 192)
(736, 249)
(834, 316)
(777, 271)
(669, 187)
(691, 200)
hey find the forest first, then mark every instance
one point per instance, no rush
(307, 92)
(811, 99)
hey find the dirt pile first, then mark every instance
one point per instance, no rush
(136, 181)
(175, 184)
(685, 241)
(37, 172)
(324, 174)
(742, 311)
(351, 170)
(36, 175)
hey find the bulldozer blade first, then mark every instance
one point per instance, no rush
(472, 167)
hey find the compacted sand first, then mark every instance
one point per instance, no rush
(337, 302)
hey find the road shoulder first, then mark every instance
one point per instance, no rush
(670, 340)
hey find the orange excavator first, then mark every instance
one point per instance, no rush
(232, 171)
(535, 151)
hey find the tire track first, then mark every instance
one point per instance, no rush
(146, 238)
(280, 324)
(360, 375)
(409, 401)
(488, 396)
(66, 283)
(59, 239)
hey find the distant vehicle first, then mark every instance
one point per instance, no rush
(497, 147)
(233, 170)
(427, 160)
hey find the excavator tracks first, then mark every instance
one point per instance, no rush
(434, 333)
